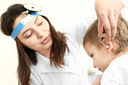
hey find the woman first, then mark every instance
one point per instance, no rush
(46, 57)
(41, 50)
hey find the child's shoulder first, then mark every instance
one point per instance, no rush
(120, 60)
(116, 72)
(118, 64)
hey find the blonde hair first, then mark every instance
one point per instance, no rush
(121, 37)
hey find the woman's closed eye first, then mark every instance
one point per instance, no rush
(40, 23)
(28, 34)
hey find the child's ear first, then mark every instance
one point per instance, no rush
(107, 43)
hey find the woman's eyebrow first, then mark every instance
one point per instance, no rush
(25, 32)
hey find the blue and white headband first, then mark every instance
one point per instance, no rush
(27, 19)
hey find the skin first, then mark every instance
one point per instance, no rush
(35, 35)
(97, 81)
(101, 57)
(107, 14)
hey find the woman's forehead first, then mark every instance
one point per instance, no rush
(18, 20)
(21, 17)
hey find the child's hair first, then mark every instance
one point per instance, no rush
(121, 37)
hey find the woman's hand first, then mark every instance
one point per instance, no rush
(97, 81)
(107, 13)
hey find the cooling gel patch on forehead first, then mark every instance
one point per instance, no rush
(29, 16)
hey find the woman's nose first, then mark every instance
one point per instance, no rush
(39, 33)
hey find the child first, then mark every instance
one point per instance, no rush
(110, 57)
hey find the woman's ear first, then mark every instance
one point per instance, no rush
(107, 43)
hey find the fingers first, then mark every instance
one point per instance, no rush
(116, 17)
(110, 23)
(113, 25)
(100, 27)
(106, 24)
(107, 14)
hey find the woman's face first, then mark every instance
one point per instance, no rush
(36, 34)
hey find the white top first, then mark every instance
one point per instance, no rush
(117, 72)
(74, 72)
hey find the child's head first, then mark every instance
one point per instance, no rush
(101, 49)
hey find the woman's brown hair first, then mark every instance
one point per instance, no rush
(121, 35)
(27, 56)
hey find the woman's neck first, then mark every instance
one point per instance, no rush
(45, 53)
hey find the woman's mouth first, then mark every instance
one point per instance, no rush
(46, 40)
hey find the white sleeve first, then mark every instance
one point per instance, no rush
(116, 72)
(107, 80)
(109, 83)
(110, 78)
(111, 75)
(34, 77)
(78, 27)
(34, 80)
